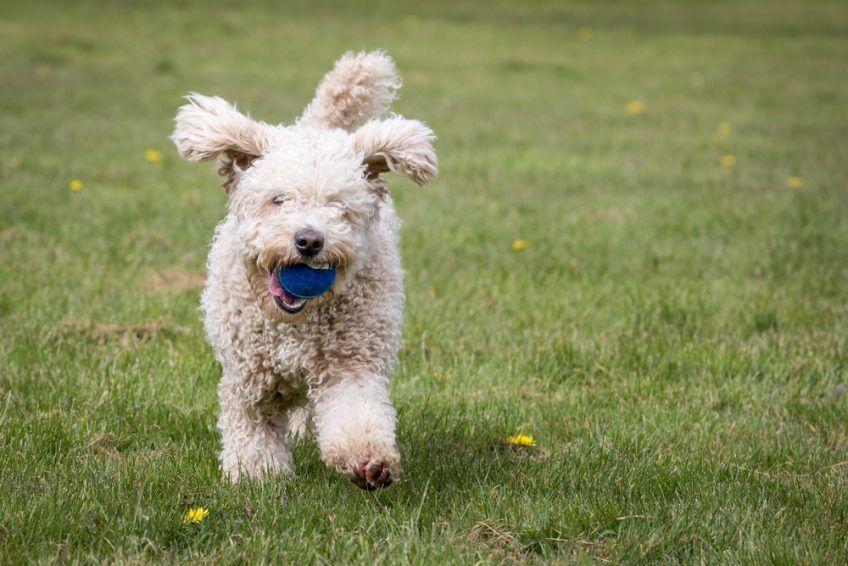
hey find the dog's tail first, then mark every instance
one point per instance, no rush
(361, 86)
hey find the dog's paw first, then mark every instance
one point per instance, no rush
(370, 473)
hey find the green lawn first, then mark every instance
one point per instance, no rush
(673, 336)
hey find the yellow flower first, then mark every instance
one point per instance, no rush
(724, 129)
(795, 182)
(521, 440)
(584, 34)
(634, 107)
(195, 515)
(519, 245)
(728, 161)
(697, 80)
(75, 185)
(152, 156)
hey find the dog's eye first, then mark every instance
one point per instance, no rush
(279, 199)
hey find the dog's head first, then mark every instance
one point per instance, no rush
(309, 192)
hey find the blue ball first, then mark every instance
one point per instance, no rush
(305, 282)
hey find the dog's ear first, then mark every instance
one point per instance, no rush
(361, 86)
(208, 127)
(400, 146)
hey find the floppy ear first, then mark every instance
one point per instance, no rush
(209, 127)
(400, 146)
(361, 86)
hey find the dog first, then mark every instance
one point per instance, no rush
(312, 192)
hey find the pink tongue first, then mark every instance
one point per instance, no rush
(274, 286)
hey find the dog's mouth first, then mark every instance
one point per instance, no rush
(289, 294)
(284, 300)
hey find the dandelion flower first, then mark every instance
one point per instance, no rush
(520, 440)
(634, 107)
(195, 515)
(584, 34)
(728, 161)
(75, 185)
(794, 182)
(152, 156)
(697, 80)
(724, 129)
(519, 245)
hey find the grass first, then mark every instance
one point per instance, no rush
(673, 336)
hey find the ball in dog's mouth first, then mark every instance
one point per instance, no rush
(292, 286)
(285, 300)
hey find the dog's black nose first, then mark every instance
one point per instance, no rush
(308, 242)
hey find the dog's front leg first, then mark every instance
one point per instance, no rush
(355, 425)
(254, 432)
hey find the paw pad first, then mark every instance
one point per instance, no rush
(371, 474)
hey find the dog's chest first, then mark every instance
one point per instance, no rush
(284, 356)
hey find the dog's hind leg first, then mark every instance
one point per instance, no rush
(300, 422)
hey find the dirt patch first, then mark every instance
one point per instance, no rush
(10, 233)
(104, 445)
(125, 334)
(612, 215)
(174, 280)
(497, 540)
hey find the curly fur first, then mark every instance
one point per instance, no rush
(327, 367)
(358, 88)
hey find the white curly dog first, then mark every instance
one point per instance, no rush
(309, 193)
